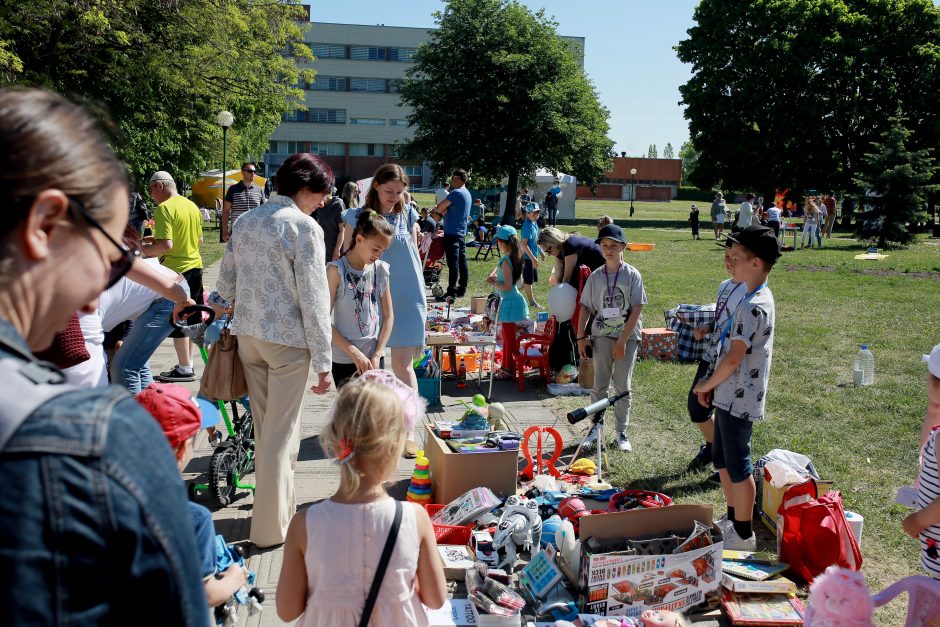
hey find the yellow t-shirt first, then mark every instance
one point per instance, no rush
(178, 219)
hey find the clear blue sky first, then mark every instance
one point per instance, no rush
(628, 55)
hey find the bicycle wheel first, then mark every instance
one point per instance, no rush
(221, 478)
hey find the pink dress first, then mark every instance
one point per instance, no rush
(344, 544)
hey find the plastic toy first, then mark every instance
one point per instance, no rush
(482, 544)
(519, 526)
(535, 464)
(549, 528)
(495, 413)
(839, 597)
(637, 499)
(583, 466)
(419, 490)
(567, 374)
(573, 510)
(225, 556)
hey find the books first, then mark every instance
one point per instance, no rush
(755, 571)
(454, 613)
(457, 559)
(471, 445)
(446, 430)
(466, 508)
(758, 557)
(774, 585)
(776, 610)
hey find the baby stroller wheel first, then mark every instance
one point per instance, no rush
(221, 477)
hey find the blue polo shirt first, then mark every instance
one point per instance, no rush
(455, 220)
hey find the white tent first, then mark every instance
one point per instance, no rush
(544, 181)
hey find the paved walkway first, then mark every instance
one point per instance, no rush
(316, 477)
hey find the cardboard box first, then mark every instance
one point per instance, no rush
(772, 497)
(477, 304)
(659, 343)
(619, 584)
(586, 373)
(452, 473)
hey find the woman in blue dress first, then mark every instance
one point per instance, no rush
(386, 196)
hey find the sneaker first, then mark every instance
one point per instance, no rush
(411, 450)
(724, 524)
(703, 457)
(536, 305)
(623, 442)
(734, 542)
(588, 442)
(176, 376)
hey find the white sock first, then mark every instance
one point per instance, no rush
(185, 369)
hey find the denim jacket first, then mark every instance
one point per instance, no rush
(94, 528)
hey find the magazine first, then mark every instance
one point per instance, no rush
(755, 571)
(762, 609)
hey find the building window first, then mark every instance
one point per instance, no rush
(330, 83)
(372, 85)
(393, 85)
(398, 122)
(393, 151)
(401, 54)
(365, 150)
(327, 116)
(413, 170)
(368, 121)
(328, 51)
(327, 149)
(274, 148)
(368, 53)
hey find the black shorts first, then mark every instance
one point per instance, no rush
(194, 281)
(697, 413)
(344, 373)
(530, 274)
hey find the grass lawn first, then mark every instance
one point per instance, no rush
(864, 439)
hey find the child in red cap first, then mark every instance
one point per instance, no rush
(182, 416)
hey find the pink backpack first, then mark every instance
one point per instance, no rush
(812, 533)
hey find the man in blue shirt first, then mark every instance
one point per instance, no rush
(454, 211)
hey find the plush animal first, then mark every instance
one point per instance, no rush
(495, 414)
(839, 598)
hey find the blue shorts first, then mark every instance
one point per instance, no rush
(697, 413)
(731, 449)
(530, 274)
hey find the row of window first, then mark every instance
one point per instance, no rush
(353, 83)
(362, 53)
(336, 116)
(637, 182)
(338, 149)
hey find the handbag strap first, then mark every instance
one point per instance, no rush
(383, 565)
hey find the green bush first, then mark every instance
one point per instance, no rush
(694, 193)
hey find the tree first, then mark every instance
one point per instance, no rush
(668, 152)
(894, 185)
(792, 92)
(496, 91)
(162, 70)
(689, 155)
(651, 152)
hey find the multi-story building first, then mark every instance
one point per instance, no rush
(355, 117)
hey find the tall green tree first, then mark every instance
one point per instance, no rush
(668, 152)
(163, 69)
(497, 91)
(792, 92)
(689, 155)
(651, 152)
(894, 184)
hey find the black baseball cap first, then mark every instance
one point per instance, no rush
(611, 231)
(760, 240)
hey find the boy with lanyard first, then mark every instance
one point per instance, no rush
(615, 292)
(737, 385)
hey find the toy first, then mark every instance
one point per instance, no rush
(482, 544)
(519, 525)
(495, 414)
(569, 547)
(225, 556)
(550, 528)
(637, 499)
(567, 374)
(537, 463)
(584, 466)
(649, 618)
(419, 491)
(562, 301)
(573, 510)
(839, 597)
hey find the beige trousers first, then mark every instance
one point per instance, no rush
(277, 379)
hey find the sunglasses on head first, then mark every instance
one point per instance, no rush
(123, 264)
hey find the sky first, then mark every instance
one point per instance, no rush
(628, 55)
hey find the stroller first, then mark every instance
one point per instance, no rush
(234, 457)
(432, 251)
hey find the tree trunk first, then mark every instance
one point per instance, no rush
(509, 211)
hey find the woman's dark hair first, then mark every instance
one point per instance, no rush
(304, 171)
(51, 143)
(369, 224)
(515, 257)
(386, 173)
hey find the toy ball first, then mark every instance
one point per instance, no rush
(567, 374)
(562, 300)
(571, 506)
(550, 528)
(584, 466)
(479, 400)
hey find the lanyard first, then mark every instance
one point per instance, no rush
(744, 301)
(722, 306)
(610, 288)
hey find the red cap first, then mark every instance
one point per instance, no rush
(177, 411)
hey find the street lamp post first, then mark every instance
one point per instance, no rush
(632, 189)
(225, 120)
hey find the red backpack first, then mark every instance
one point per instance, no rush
(812, 532)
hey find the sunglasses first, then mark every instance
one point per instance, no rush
(248, 171)
(122, 265)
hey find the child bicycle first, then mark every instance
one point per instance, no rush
(234, 457)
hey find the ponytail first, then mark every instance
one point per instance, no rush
(370, 224)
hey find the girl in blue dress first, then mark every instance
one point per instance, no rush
(512, 307)
(386, 196)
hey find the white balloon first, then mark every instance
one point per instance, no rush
(562, 299)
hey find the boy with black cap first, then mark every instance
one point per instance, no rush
(737, 384)
(614, 293)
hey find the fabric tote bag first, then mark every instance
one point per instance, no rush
(223, 379)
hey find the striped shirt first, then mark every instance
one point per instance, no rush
(243, 199)
(928, 491)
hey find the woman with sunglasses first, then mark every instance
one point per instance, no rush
(94, 512)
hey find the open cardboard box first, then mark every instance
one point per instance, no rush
(614, 583)
(452, 473)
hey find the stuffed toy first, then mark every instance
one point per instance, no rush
(649, 618)
(495, 414)
(839, 598)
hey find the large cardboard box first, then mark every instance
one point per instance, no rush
(478, 304)
(620, 584)
(659, 343)
(772, 497)
(452, 473)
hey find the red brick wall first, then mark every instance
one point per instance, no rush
(603, 192)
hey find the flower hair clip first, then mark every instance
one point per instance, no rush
(346, 452)
(413, 405)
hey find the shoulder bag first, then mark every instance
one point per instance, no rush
(383, 566)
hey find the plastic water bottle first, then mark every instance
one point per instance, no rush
(864, 373)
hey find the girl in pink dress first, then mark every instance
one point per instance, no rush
(333, 548)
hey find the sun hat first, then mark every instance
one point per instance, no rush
(933, 361)
(611, 231)
(179, 413)
(760, 240)
(505, 232)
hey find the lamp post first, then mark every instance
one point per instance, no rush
(225, 120)
(632, 189)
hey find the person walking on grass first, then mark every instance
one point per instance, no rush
(512, 305)
(360, 300)
(738, 381)
(718, 215)
(530, 252)
(810, 222)
(693, 221)
(455, 211)
(614, 294)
